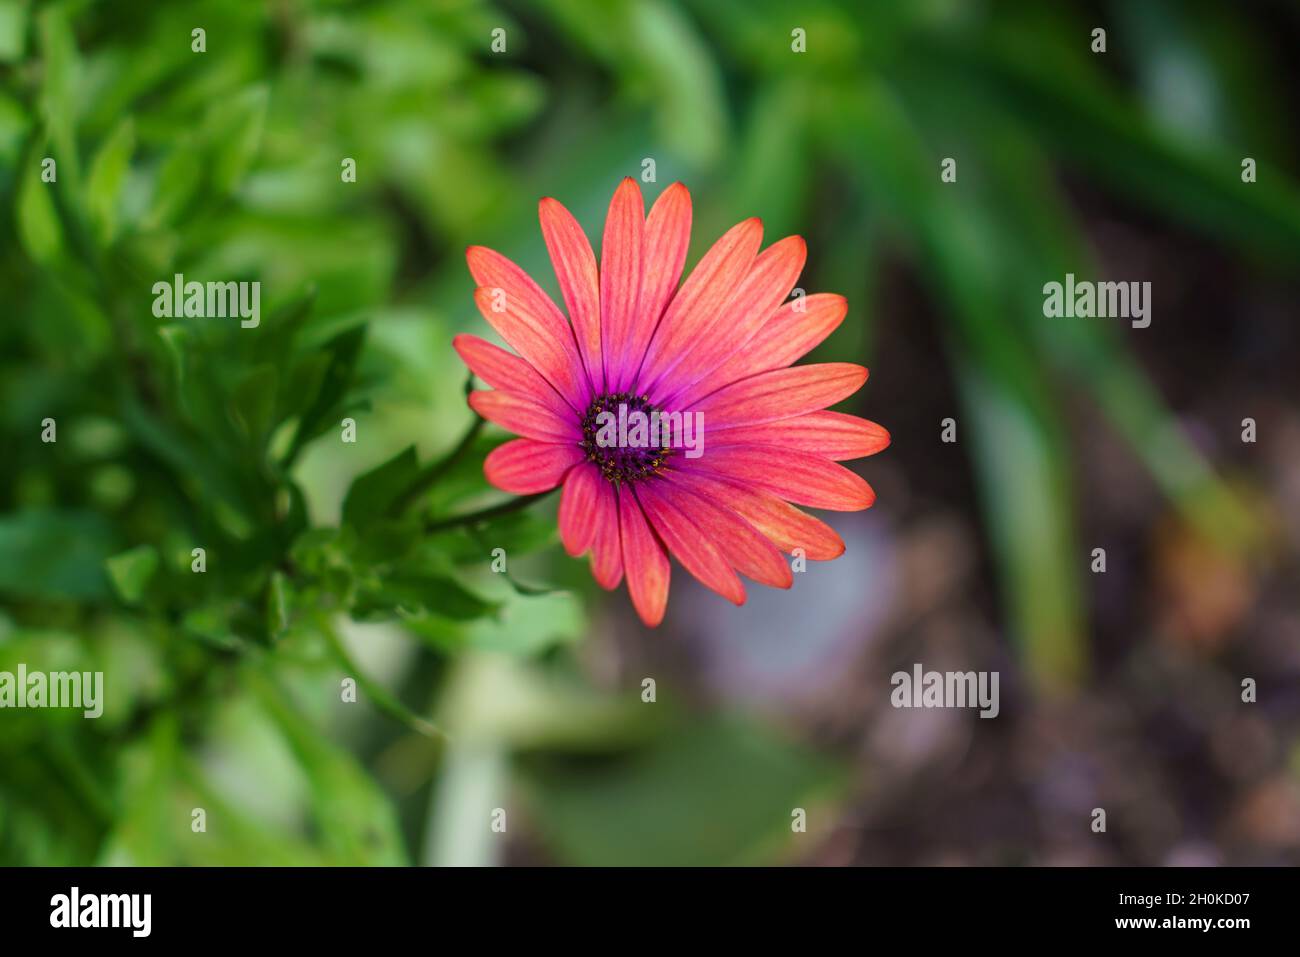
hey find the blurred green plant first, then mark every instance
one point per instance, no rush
(198, 530)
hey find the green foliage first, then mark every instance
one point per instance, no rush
(131, 571)
(744, 782)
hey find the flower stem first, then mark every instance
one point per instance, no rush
(483, 514)
(436, 469)
(387, 703)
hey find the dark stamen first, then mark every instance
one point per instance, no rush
(619, 463)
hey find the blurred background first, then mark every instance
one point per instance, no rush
(523, 693)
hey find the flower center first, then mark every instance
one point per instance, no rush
(618, 438)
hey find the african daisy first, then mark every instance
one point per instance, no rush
(719, 349)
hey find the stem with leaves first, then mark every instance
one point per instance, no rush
(483, 514)
(429, 475)
(384, 700)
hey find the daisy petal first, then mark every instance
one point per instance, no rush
(620, 271)
(744, 547)
(578, 509)
(575, 269)
(770, 280)
(786, 526)
(644, 559)
(550, 351)
(606, 542)
(505, 370)
(493, 270)
(680, 530)
(831, 434)
(704, 295)
(795, 476)
(525, 466)
(522, 415)
(780, 394)
(667, 237)
(790, 333)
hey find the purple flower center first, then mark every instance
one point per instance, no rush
(605, 438)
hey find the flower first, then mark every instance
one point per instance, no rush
(720, 350)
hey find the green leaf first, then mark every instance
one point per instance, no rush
(1092, 127)
(14, 127)
(716, 794)
(519, 533)
(211, 623)
(175, 339)
(279, 604)
(279, 332)
(688, 96)
(240, 837)
(39, 229)
(13, 30)
(1024, 484)
(146, 772)
(387, 540)
(305, 382)
(131, 570)
(772, 162)
(234, 128)
(254, 402)
(177, 181)
(534, 591)
(51, 554)
(356, 821)
(343, 351)
(107, 175)
(529, 622)
(371, 493)
(380, 696)
(412, 593)
(61, 69)
(1010, 398)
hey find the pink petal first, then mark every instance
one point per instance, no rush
(744, 547)
(780, 394)
(770, 280)
(549, 350)
(579, 501)
(704, 295)
(575, 269)
(621, 253)
(795, 476)
(679, 529)
(790, 333)
(524, 416)
(505, 370)
(667, 237)
(525, 466)
(606, 542)
(644, 558)
(831, 434)
(788, 527)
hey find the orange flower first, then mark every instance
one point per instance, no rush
(716, 353)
